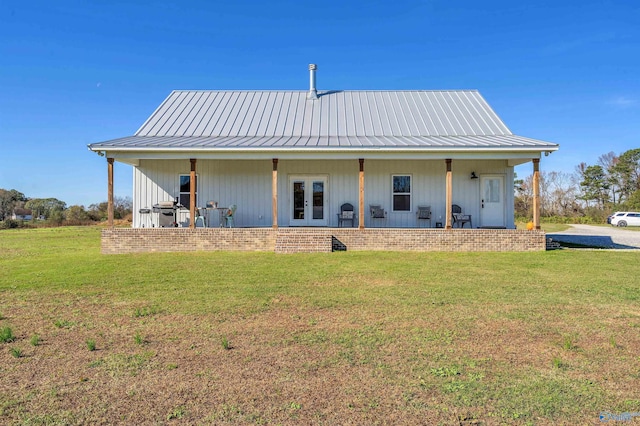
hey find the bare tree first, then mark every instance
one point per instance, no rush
(560, 194)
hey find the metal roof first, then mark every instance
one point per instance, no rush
(337, 120)
(321, 142)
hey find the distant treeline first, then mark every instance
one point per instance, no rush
(17, 210)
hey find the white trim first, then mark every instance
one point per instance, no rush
(515, 158)
(309, 221)
(188, 193)
(483, 219)
(410, 193)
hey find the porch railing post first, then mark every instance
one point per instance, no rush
(448, 196)
(192, 194)
(110, 192)
(536, 193)
(361, 195)
(274, 194)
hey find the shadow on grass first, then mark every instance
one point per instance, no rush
(588, 241)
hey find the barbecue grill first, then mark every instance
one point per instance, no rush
(166, 211)
(144, 217)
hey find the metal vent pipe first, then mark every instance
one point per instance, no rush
(313, 93)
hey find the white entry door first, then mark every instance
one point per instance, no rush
(308, 201)
(492, 208)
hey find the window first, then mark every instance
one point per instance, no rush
(184, 198)
(401, 193)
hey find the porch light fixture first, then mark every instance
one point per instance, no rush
(473, 175)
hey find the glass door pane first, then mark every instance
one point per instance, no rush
(492, 190)
(298, 200)
(318, 200)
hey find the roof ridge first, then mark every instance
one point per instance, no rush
(326, 92)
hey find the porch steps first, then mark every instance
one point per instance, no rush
(303, 240)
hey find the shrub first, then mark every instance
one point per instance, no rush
(9, 224)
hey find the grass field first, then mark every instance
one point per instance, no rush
(341, 338)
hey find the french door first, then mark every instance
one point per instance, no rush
(308, 200)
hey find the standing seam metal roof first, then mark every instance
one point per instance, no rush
(337, 119)
(335, 113)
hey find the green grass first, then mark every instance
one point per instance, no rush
(6, 335)
(35, 340)
(506, 338)
(91, 345)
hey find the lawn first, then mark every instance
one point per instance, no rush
(342, 338)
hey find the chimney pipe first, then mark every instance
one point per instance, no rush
(313, 93)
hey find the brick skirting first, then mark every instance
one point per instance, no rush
(297, 240)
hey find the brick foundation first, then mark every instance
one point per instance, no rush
(297, 240)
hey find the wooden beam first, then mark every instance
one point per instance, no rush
(361, 212)
(192, 194)
(110, 192)
(448, 195)
(536, 193)
(274, 194)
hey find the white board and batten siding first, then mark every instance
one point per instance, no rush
(244, 183)
(247, 184)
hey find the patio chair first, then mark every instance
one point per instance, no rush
(346, 215)
(377, 213)
(423, 214)
(459, 218)
(230, 216)
(201, 221)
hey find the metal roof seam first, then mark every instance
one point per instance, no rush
(166, 126)
(433, 122)
(475, 114)
(193, 113)
(468, 117)
(217, 112)
(154, 113)
(159, 112)
(232, 117)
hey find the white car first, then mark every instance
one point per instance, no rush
(625, 219)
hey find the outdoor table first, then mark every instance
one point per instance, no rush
(210, 213)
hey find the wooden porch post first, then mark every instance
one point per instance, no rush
(192, 194)
(110, 192)
(361, 195)
(536, 193)
(448, 196)
(274, 194)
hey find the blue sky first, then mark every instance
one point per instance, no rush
(74, 73)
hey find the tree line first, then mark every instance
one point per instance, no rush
(51, 211)
(589, 194)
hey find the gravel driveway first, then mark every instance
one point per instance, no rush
(599, 236)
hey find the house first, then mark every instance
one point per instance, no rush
(292, 158)
(21, 214)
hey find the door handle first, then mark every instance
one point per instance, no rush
(483, 204)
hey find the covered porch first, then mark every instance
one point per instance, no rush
(267, 191)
